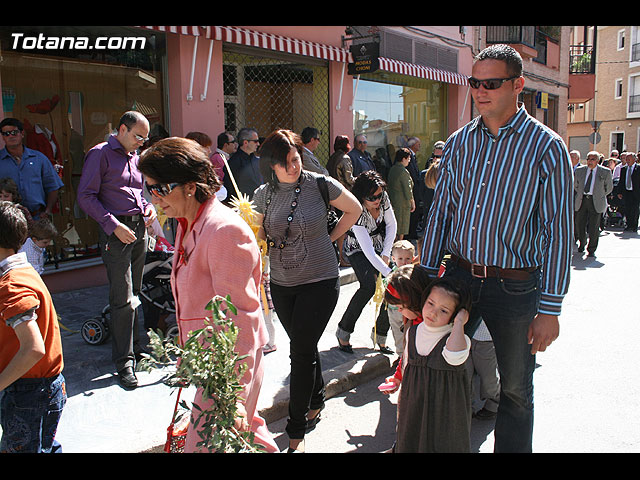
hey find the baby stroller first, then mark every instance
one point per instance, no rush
(155, 297)
(613, 216)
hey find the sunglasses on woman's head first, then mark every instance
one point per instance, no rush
(160, 189)
(489, 83)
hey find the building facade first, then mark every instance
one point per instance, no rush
(610, 119)
(545, 68)
(70, 85)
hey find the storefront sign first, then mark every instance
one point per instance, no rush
(365, 58)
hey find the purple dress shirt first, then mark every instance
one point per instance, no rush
(111, 184)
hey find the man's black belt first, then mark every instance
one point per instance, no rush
(129, 218)
(482, 271)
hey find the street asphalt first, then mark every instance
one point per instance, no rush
(102, 417)
(586, 383)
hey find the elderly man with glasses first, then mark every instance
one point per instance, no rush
(35, 176)
(360, 157)
(110, 192)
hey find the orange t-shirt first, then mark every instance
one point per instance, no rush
(21, 289)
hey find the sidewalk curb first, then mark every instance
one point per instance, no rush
(337, 380)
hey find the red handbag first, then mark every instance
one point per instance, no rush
(176, 437)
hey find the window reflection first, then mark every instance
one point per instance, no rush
(391, 113)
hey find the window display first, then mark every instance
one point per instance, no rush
(70, 98)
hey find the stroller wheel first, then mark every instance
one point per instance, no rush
(172, 332)
(94, 332)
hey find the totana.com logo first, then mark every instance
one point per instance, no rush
(46, 42)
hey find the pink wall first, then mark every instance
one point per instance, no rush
(208, 116)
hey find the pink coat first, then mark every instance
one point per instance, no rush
(221, 257)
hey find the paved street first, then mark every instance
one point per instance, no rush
(586, 383)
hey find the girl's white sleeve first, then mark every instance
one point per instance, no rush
(364, 240)
(457, 358)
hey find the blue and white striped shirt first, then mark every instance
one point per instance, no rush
(506, 201)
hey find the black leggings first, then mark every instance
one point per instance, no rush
(304, 311)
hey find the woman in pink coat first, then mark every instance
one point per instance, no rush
(216, 254)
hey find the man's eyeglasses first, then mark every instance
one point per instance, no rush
(140, 138)
(13, 133)
(373, 198)
(489, 83)
(160, 189)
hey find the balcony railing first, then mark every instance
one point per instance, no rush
(635, 52)
(634, 104)
(581, 59)
(512, 34)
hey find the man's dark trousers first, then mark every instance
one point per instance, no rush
(507, 307)
(125, 265)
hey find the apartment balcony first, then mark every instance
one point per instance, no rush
(521, 38)
(582, 78)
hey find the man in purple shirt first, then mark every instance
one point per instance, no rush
(110, 192)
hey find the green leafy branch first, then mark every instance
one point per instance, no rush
(208, 360)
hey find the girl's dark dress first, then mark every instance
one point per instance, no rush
(434, 403)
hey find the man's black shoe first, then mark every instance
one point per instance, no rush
(127, 378)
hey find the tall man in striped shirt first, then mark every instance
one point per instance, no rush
(503, 210)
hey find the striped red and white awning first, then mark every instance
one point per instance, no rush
(420, 71)
(278, 43)
(183, 30)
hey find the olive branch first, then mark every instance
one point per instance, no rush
(208, 361)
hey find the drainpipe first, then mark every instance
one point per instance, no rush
(193, 69)
(341, 83)
(203, 96)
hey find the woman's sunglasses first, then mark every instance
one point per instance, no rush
(160, 189)
(374, 198)
(489, 83)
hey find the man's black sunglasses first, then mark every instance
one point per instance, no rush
(489, 83)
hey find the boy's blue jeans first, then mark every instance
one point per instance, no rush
(507, 307)
(30, 411)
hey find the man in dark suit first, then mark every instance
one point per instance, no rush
(591, 185)
(628, 190)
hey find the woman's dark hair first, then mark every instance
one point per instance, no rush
(409, 281)
(366, 184)
(340, 143)
(180, 160)
(274, 151)
(457, 289)
(13, 226)
(401, 154)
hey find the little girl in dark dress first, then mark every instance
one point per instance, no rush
(434, 405)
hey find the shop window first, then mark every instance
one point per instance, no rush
(390, 109)
(272, 93)
(78, 94)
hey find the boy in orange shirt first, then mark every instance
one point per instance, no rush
(31, 382)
